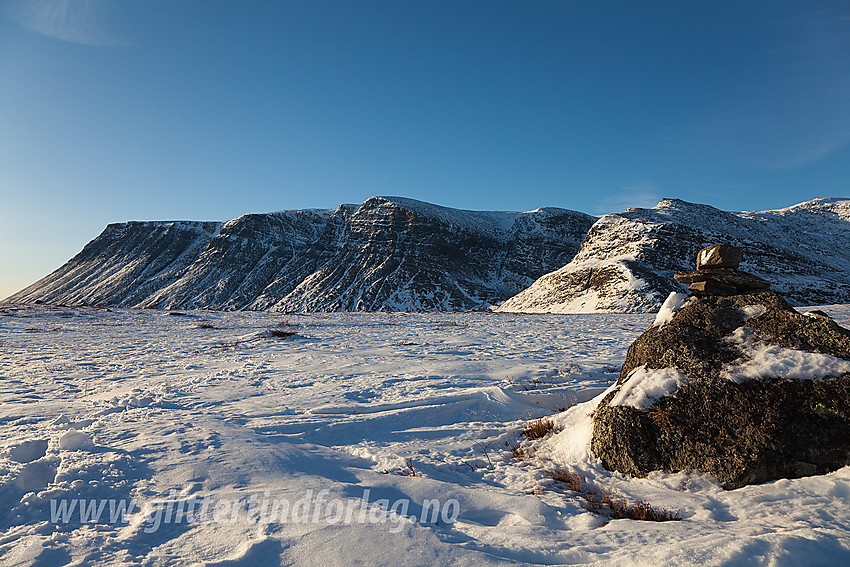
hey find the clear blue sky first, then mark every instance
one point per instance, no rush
(204, 109)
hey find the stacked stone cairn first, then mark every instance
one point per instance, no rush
(717, 273)
(714, 388)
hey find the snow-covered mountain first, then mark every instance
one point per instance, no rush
(393, 253)
(389, 253)
(627, 260)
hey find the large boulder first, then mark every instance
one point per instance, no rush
(742, 387)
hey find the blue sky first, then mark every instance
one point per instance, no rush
(204, 109)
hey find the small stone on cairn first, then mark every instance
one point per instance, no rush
(717, 273)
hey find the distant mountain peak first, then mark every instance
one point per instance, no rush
(627, 260)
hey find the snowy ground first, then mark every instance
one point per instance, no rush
(286, 442)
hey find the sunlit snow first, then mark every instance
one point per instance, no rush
(324, 439)
(673, 303)
(645, 386)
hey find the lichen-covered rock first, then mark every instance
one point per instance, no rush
(765, 394)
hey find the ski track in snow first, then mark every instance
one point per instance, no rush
(146, 405)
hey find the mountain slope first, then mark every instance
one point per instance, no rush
(627, 260)
(124, 264)
(389, 253)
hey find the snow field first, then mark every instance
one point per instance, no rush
(172, 411)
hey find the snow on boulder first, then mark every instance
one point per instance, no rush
(645, 386)
(73, 440)
(742, 387)
(765, 360)
(673, 303)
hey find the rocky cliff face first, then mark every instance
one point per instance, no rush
(388, 253)
(627, 260)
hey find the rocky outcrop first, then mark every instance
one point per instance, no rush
(627, 261)
(741, 386)
(389, 253)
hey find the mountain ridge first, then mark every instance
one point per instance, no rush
(397, 253)
(627, 260)
(388, 253)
